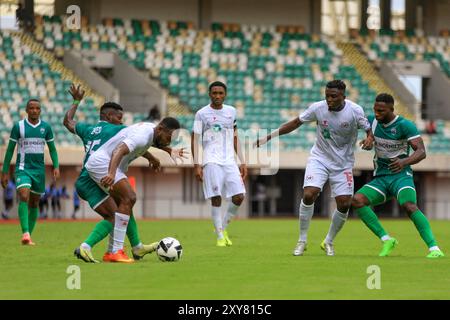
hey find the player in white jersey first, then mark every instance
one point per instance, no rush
(215, 128)
(331, 158)
(107, 167)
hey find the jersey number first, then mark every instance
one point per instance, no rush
(91, 145)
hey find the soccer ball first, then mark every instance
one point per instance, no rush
(169, 249)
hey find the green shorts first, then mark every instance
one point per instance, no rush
(383, 188)
(31, 179)
(88, 190)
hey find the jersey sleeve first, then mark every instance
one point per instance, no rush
(80, 129)
(138, 138)
(410, 130)
(198, 124)
(361, 119)
(309, 114)
(370, 118)
(15, 133)
(49, 134)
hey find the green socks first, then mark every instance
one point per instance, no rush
(101, 230)
(424, 228)
(104, 227)
(23, 216)
(32, 218)
(132, 232)
(370, 219)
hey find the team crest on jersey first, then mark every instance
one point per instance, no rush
(96, 130)
(345, 125)
(393, 131)
(217, 127)
(42, 130)
(325, 123)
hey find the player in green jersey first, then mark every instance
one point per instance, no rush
(93, 136)
(30, 134)
(393, 176)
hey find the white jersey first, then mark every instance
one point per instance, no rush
(336, 133)
(137, 137)
(216, 129)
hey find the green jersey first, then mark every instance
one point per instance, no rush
(31, 141)
(391, 141)
(94, 136)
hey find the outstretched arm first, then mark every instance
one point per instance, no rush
(284, 129)
(152, 161)
(77, 95)
(418, 155)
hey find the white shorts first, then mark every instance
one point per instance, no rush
(218, 179)
(98, 170)
(316, 175)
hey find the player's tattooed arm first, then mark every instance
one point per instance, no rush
(77, 94)
(418, 155)
(284, 129)
(119, 152)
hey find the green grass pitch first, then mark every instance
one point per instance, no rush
(259, 265)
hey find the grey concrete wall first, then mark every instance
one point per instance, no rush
(437, 93)
(137, 92)
(74, 61)
(390, 72)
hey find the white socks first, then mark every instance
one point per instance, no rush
(231, 212)
(337, 222)
(120, 230)
(217, 220)
(305, 215)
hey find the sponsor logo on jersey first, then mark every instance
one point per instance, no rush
(217, 127)
(345, 125)
(309, 177)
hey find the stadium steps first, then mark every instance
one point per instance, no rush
(369, 74)
(176, 108)
(58, 66)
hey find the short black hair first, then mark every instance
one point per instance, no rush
(32, 100)
(170, 123)
(336, 84)
(217, 84)
(385, 97)
(110, 105)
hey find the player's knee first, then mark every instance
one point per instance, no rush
(358, 201)
(309, 197)
(237, 199)
(130, 199)
(409, 207)
(216, 201)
